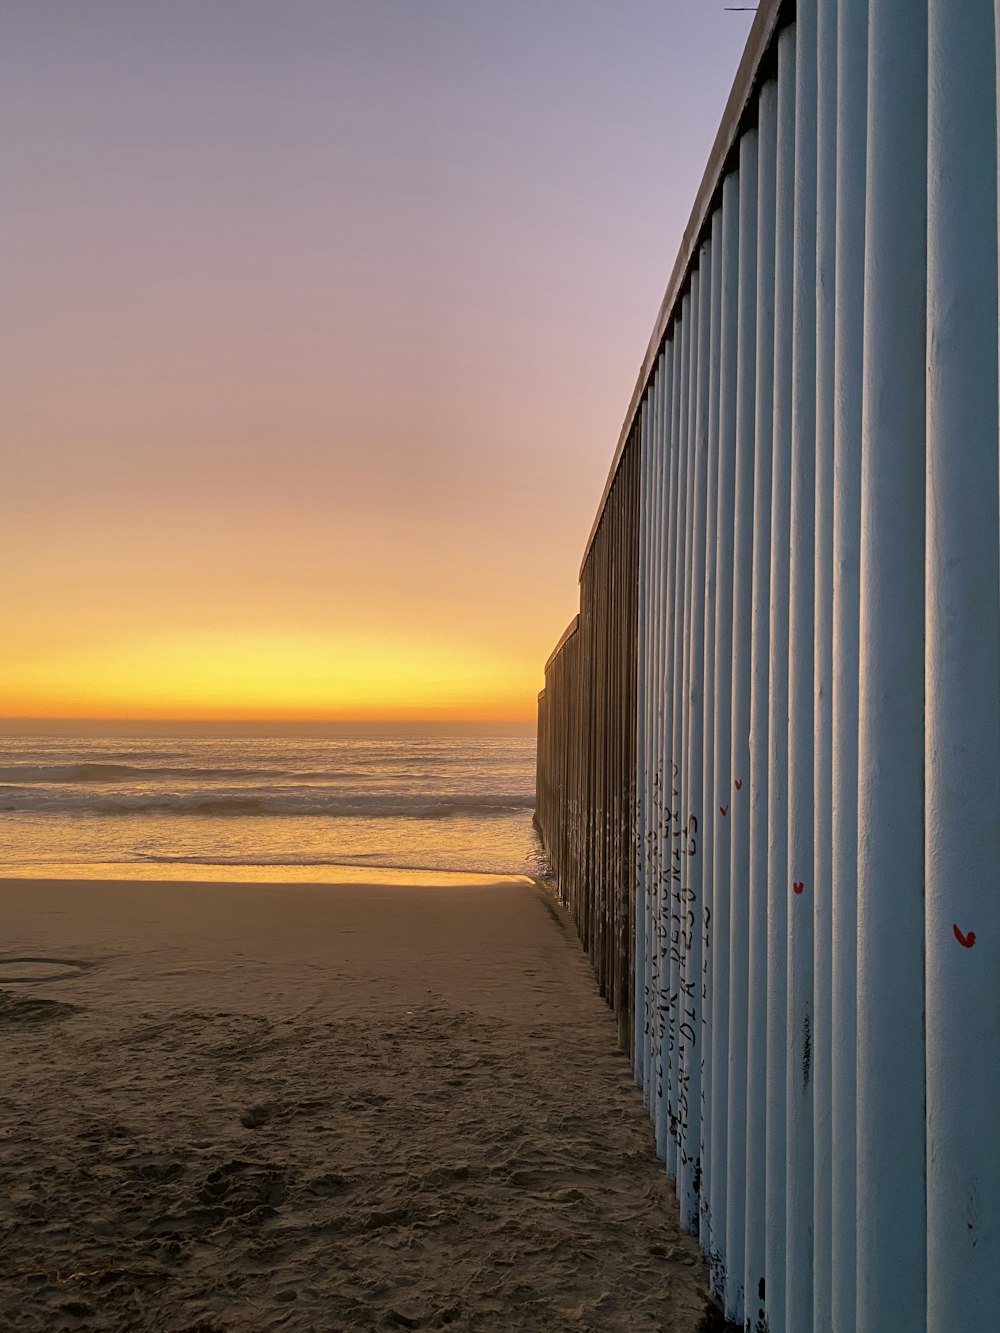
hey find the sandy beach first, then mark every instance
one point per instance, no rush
(301, 1107)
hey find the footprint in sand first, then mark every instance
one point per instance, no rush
(20, 1009)
(255, 1116)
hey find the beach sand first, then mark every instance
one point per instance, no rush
(248, 1107)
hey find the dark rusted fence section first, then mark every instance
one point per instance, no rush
(586, 747)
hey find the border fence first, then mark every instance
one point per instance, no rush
(769, 746)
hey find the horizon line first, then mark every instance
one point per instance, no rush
(51, 725)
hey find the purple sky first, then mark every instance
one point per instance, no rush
(320, 321)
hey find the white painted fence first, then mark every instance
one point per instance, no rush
(816, 811)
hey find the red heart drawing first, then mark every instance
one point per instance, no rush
(966, 941)
(723, 810)
(798, 886)
(738, 784)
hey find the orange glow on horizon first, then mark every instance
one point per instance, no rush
(234, 676)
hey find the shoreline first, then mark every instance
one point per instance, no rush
(210, 873)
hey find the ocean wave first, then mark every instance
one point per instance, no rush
(232, 805)
(283, 802)
(23, 774)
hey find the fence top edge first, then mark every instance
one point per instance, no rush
(567, 634)
(771, 15)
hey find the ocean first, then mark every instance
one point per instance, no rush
(265, 808)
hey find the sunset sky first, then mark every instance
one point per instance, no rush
(320, 319)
